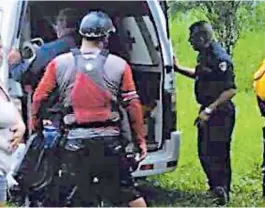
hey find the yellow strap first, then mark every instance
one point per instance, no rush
(260, 71)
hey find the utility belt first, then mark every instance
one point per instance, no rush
(92, 125)
(122, 123)
(69, 121)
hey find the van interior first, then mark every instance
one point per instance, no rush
(136, 41)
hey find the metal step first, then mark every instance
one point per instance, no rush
(151, 146)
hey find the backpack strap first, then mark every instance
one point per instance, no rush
(66, 80)
(103, 55)
(76, 52)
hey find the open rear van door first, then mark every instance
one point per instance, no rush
(12, 12)
(165, 159)
(12, 16)
(169, 114)
(164, 8)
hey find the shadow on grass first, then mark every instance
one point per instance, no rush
(158, 196)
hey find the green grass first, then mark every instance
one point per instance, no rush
(186, 185)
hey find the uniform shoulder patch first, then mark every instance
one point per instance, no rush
(223, 66)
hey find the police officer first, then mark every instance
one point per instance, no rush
(214, 89)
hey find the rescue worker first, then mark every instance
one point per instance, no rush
(65, 28)
(261, 105)
(214, 89)
(102, 138)
(259, 85)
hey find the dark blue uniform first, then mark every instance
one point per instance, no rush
(31, 75)
(214, 75)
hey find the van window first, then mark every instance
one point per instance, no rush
(136, 38)
(141, 39)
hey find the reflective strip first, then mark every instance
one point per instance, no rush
(128, 93)
(129, 96)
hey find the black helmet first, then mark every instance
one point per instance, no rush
(96, 24)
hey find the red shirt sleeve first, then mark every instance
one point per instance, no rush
(46, 85)
(133, 106)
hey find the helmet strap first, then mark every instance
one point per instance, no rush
(106, 42)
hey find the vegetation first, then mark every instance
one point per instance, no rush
(186, 185)
(228, 18)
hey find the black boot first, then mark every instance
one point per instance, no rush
(220, 195)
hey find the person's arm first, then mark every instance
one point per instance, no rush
(46, 85)
(18, 70)
(134, 109)
(17, 66)
(44, 55)
(224, 97)
(227, 76)
(19, 129)
(206, 113)
(188, 72)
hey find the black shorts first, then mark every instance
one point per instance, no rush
(99, 160)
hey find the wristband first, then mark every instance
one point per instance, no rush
(208, 111)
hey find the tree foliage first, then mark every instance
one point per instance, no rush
(226, 17)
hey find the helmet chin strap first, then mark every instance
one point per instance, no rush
(106, 42)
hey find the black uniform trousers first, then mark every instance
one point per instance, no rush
(214, 142)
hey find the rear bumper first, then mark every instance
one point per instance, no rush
(161, 161)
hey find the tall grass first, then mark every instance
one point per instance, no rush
(189, 179)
